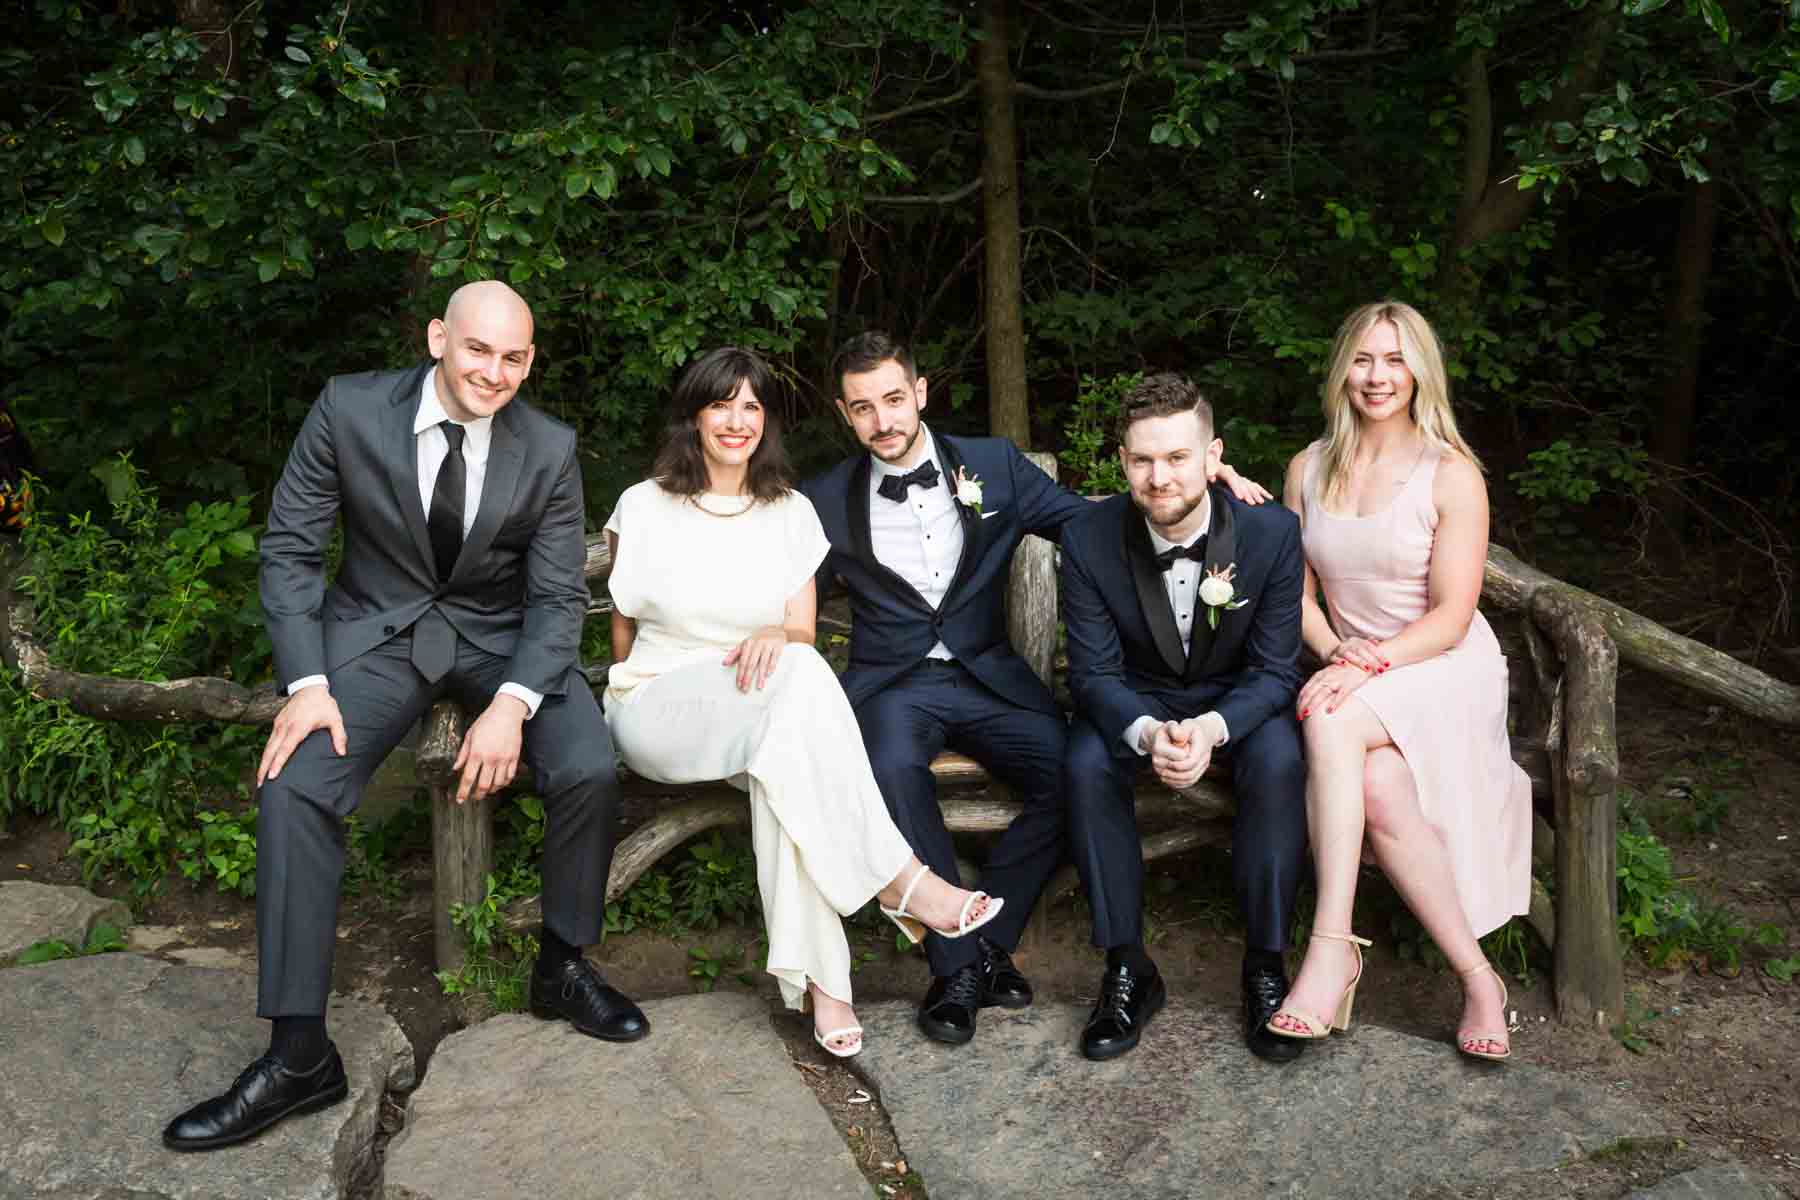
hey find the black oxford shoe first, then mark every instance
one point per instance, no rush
(1265, 988)
(1127, 1002)
(575, 992)
(1001, 983)
(947, 1013)
(265, 1093)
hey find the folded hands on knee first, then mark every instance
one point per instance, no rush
(1180, 751)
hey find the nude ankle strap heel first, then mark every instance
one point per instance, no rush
(1466, 1036)
(1313, 1027)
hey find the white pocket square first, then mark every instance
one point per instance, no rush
(987, 515)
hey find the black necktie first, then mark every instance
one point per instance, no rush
(924, 475)
(445, 521)
(1174, 554)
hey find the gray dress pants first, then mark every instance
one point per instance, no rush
(300, 825)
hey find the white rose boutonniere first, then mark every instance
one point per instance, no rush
(968, 490)
(1218, 595)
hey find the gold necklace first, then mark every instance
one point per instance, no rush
(723, 516)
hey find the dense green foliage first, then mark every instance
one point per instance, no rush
(207, 219)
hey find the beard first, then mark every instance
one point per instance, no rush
(906, 445)
(1167, 510)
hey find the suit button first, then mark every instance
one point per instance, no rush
(388, 629)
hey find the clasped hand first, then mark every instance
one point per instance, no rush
(756, 656)
(1180, 752)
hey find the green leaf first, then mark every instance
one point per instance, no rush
(52, 227)
(576, 184)
(241, 543)
(1159, 133)
(464, 183)
(1643, 8)
(356, 236)
(299, 55)
(1785, 88)
(134, 150)
(267, 269)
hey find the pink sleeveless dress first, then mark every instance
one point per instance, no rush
(1447, 714)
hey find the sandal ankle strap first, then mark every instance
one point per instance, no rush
(1342, 937)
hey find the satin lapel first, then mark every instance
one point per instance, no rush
(858, 505)
(1153, 593)
(1221, 552)
(402, 452)
(505, 456)
(973, 527)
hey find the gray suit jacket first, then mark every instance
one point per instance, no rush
(518, 589)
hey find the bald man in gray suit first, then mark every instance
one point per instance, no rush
(462, 575)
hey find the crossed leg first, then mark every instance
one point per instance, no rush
(1358, 784)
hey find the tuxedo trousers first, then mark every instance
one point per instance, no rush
(1268, 837)
(939, 705)
(824, 843)
(300, 826)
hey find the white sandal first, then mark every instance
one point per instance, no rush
(825, 1039)
(915, 929)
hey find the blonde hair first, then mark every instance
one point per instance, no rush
(1430, 405)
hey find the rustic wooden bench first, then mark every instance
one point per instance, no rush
(1563, 685)
(1176, 821)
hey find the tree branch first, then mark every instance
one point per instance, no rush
(908, 110)
(962, 193)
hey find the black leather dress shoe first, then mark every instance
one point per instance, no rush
(1127, 1002)
(1264, 990)
(947, 1014)
(574, 992)
(1001, 983)
(264, 1094)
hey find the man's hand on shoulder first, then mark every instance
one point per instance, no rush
(489, 757)
(308, 710)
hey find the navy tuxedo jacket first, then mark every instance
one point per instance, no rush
(1123, 643)
(893, 627)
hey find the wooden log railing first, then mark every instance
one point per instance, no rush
(1567, 741)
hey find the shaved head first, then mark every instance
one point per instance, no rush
(484, 349)
(488, 299)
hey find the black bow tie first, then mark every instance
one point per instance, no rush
(894, 487)
(1174, 554)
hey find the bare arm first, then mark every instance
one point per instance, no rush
(624, 629)
(1315, 626)
(1458, 563)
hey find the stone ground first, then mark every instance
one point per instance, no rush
(100, 1052)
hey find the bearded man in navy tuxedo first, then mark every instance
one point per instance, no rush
(1182, 606)
(923, 527)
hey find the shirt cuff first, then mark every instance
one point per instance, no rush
(1224, 730)
(529, 698)
(307, 681)
(1134, 733)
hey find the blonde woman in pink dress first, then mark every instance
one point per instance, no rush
(1405, 726)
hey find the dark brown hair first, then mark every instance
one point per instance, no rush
(865, 352)
(1163, 395)
(716, 375)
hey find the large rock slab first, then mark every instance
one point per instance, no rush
(708, 1105)
(32, 912)
(1019, 1112)
(1717, 1181)
(100, 1052)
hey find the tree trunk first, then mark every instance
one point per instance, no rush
(1672, 440)
(464, 31)
(1492, 202)
(1003, 302)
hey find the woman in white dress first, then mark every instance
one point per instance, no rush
(715, 677)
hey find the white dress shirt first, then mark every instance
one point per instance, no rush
(921, 538)
(433, 448)
(1182, 579)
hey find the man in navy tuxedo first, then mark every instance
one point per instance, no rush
(1182, 606)
(923, 529)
